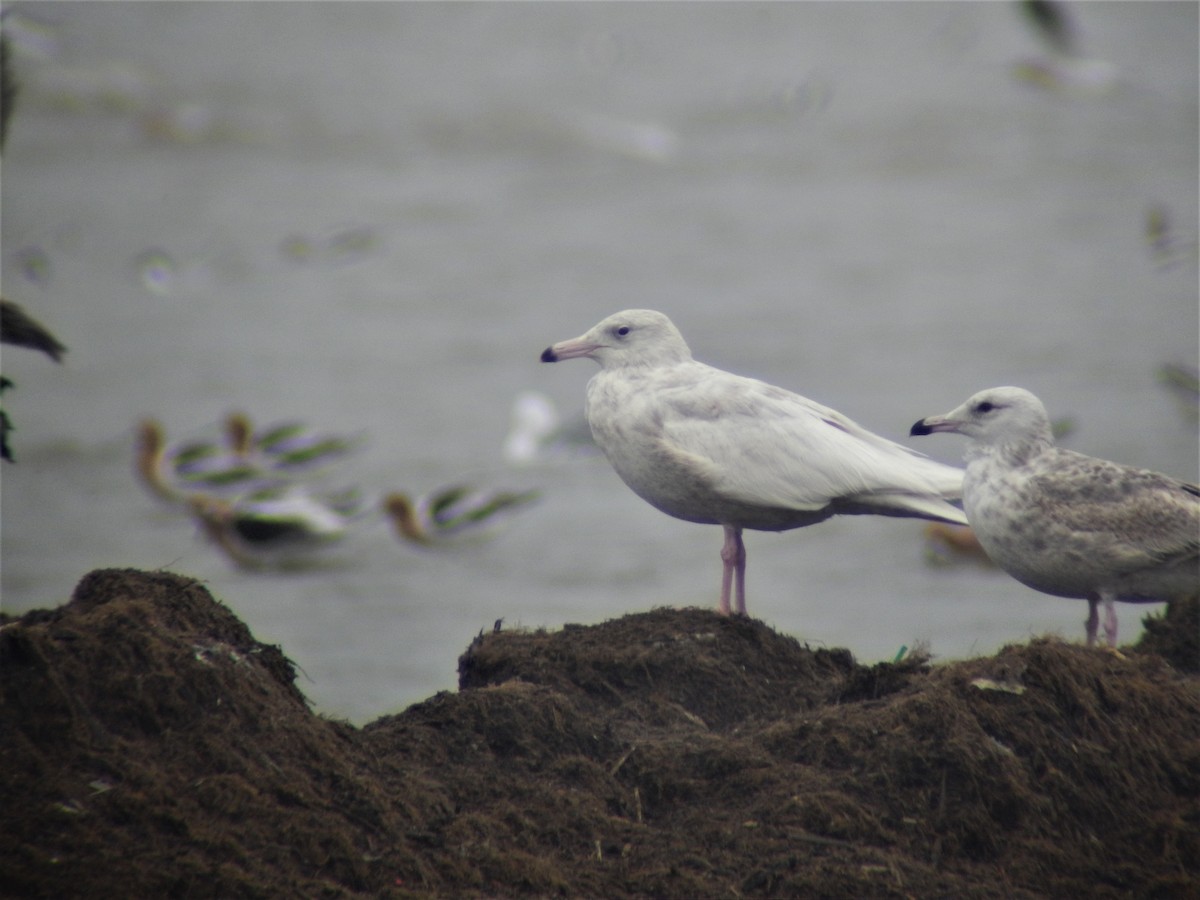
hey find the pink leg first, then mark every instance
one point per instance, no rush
(1093, 620)
(733, 556)
(1110, 619)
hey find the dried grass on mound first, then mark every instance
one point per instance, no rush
(152, 747)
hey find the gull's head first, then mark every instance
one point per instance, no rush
(995, 417)
(635, 337)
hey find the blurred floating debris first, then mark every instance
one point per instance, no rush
(352, 243)
(112, 87)
(346, 245)
(452, 513)
(1158, 229)
(805, 97)
(1183, 381)
(648, 141)
(190, 122)
(34, 264)
(122, 89)
(1068, 74)
(156, 271)
(183, 123)
(1167, 248)
(29, 38)
(297, 248)
(1062, 67)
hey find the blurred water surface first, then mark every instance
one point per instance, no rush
(375, 216)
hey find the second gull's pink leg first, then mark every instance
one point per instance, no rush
(1093, 620)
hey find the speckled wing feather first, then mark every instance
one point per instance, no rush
(1138, 518)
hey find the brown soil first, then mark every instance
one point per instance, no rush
(150, 747)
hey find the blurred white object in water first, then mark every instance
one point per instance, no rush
(649, 141)
(537, 432)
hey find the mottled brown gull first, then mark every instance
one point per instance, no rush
(716, 448)
(1068, 524)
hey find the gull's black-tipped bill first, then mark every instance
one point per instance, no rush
(920, 428)
(548, 355)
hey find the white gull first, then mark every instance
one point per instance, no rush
(716, 448)
(1068, 524)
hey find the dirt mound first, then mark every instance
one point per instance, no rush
(151, 747)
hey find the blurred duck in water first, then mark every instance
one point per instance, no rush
(281, 528)
(451, 514)
(240, 462)
(173, 472)
(287, 447)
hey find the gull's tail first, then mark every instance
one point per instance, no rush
(939, 484)
(904, 505)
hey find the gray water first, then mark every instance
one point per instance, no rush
(374, 217)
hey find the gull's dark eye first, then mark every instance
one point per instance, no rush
(622, 331)
(985, 407)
